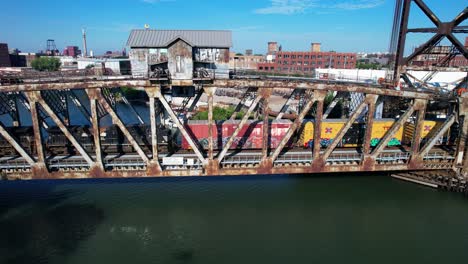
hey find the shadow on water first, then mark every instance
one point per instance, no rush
(37, 224)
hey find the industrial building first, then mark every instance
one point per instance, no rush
(4, 55)
(248, 61)
(180, 55)
(305, 62)
(72, 51)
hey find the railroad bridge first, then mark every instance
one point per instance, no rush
(47, 99)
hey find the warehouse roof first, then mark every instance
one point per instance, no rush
(149, 38)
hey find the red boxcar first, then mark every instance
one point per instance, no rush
(249, 137)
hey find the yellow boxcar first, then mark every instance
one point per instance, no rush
(354, 137)
(426, 130)
(380, 128)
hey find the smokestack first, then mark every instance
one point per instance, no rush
(85, 48)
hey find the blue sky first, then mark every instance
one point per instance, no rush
(341, 25)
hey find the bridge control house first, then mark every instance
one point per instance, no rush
(181, 56)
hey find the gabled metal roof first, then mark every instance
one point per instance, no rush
(150, 38)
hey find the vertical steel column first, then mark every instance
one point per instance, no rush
(369, 124)
(318, 125)
(399, 60)
(95, 126)
(16, 114)
(210, 123)
(416, 142)
(154, 168)
(266, 122)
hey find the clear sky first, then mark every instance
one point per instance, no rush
(341, 25)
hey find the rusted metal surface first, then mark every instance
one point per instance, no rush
(369, 124)
(318, 127)
(40, 164)
(266, 128)
(74, 84)
(95, 126)
(209, 91)
(316, 85)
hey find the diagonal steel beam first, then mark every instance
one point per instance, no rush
(332, 105)
(195, 100)
(294, 126)
(461, 17)
(64, 129)
(357, 112)
(391, 132)
(285, 106)
(432, 41)
(116, 120)
(239, 127)
(440, 132)
(463, 50)
(241, 104)
(428, 12)
(16, 145)
(181, 127)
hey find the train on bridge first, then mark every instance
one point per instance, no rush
(250, 137)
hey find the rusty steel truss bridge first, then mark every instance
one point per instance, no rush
(46, 96)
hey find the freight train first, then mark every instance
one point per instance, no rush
(250, 136)
(112, 140)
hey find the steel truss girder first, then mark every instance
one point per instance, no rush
(239, 127)
(180, 126)
(37, 97)
(117, 121)
(442, 30)
(391, 132)
(10, 139)
(357, 112)
(250, 93)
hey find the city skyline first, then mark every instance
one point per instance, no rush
(341, 25)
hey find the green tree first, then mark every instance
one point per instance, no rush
(46, 64)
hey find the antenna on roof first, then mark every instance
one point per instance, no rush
(147, 26)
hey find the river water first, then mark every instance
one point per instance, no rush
(254, 219)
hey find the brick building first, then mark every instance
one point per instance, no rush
(245, 62)
(306, 62)
(4, 55)
(72, 51)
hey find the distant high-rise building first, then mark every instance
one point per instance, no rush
(72, 51)
(248, 52)
(4, 55)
